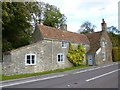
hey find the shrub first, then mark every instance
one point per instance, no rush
(116, 54)
(76, 56)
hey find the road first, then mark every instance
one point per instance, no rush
(94, 77)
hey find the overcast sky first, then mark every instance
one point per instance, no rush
(79, 11)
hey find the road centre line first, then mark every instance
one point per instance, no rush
(33, 80)
(93, 69)
(102, 75)
(86, 70)
(108, 65)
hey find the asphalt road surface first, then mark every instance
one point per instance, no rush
(95, 77)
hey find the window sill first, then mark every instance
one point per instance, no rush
(60, 62)
(103, 60)
(64, 47)
(30, 64)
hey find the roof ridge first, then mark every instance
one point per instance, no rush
(94, 32)
(59, 34)
(59, 29)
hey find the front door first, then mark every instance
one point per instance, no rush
(90, 61)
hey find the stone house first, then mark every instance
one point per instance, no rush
(49, 48)
(100, 47)
(47, 52)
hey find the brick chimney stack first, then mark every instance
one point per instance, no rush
(103, 25)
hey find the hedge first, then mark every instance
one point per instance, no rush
(116, 54)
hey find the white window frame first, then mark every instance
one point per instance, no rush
(61, 61)
(63, 44)
(103, 43)
(103, 56)
(30, 59)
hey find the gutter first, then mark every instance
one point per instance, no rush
(65, 41)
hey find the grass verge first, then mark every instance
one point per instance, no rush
(39, 73)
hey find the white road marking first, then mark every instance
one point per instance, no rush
(86, 70)
(102, 75)
(108, 65)
(80, 71)
(32, 80)
(91, 69)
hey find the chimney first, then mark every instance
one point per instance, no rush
(63, 27)
(103, 25)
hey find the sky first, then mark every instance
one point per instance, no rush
(79, 11)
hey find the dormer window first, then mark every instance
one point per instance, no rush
(64, 45)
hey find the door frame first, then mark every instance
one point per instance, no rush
(90, 59)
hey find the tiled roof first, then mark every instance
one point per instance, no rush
(58, 34)
(94, 39)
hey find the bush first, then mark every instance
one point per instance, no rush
(116, 54)
(76, 56)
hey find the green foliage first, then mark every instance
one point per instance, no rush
(115, 39)
(113, 29)
(6, 46)
(116, 54)
(36, 10)
(114, 35)
(87, 27)
(19, 19)
(53, 17)
(76, 56)
(15, 24)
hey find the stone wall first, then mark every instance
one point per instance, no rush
(97, 58)
(46, 58)
(107, 49)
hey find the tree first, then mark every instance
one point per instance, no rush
(115, 39)
(113, 29)
(15, 25)
(87, 27)
(47, 14)
(114, 35)
(36, 10)
(53, 17)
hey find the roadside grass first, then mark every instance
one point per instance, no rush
(3, 77)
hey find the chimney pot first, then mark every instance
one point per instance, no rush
(103, 25)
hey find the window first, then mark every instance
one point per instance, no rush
(103, 44)
(103, 56)
(30, 59)
(64, 45)
(60, 57)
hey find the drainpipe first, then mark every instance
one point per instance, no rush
(95, 55)
(52, 53)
